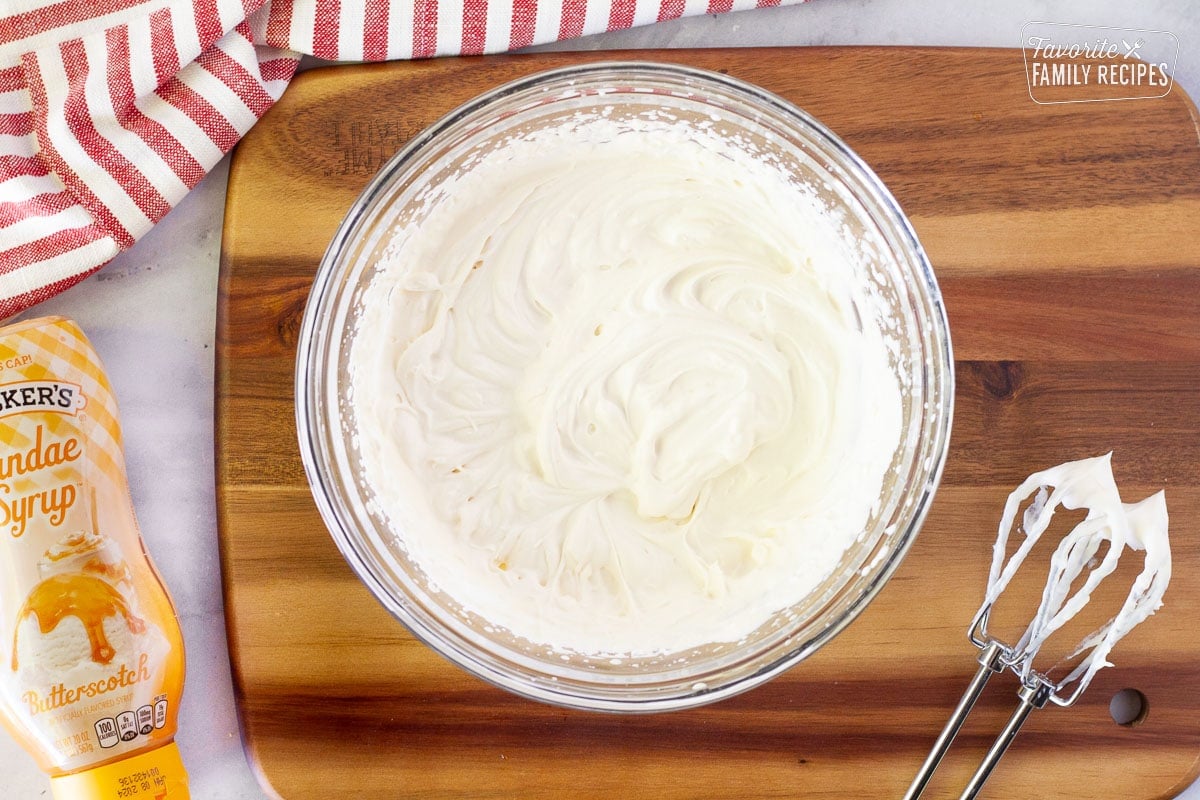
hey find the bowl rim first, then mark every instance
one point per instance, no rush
(312, 350)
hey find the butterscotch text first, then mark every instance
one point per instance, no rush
(59, 695)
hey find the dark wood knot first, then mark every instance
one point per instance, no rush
(1001, 379)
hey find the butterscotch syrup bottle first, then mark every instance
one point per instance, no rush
(94, 669)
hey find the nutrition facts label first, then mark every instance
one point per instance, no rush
(128, 725)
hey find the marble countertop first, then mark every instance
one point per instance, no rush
(151, 315)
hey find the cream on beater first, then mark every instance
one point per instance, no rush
(1077, 568)
(620, 391)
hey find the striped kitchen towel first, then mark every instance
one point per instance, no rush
(112, 110)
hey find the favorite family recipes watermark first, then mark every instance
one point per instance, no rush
(1090, 63)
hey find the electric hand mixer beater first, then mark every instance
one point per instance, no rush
(1086, 484)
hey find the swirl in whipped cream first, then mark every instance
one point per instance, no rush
(619, 390)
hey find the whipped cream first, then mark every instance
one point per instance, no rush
(618, 389)
(1076, 569)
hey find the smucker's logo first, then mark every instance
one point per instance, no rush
(1090, 63)
(53, 396)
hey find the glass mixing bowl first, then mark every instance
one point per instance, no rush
(894, 264)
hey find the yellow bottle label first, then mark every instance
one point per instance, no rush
(94, 659)
(156, 775)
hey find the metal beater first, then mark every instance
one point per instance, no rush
(1141, 526)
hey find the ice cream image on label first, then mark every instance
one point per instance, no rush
(81, 619)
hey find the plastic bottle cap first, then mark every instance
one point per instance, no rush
(154, 775)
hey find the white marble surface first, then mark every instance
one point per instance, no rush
(151, 315)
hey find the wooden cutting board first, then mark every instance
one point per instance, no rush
(1066, 239)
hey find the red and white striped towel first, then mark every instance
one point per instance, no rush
(112, 110)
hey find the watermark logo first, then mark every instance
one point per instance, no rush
(1090, 63)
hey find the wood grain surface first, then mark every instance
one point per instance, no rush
(1066, 242)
